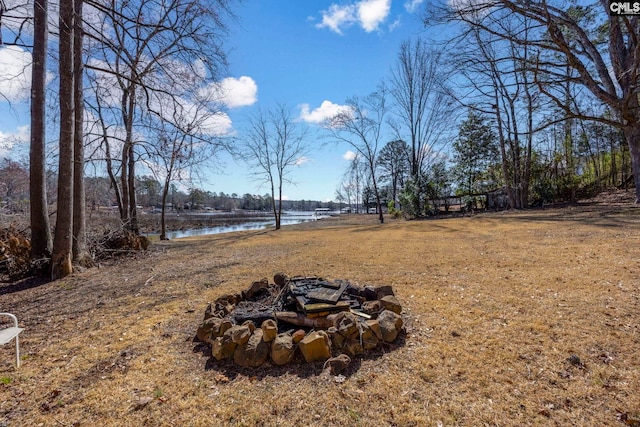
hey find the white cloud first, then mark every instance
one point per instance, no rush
(15, 74)
(350, 155)
(185, 113)
(325, 111)
(395, 24)
(302, 160)
(9, 140)
(369, 14)
(218, 125)
(412, 5)
(338, 17)
(235, 92)
(372, 13)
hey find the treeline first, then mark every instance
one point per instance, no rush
(14, 194)
(532, 102)
(198, 199)
(566, 163)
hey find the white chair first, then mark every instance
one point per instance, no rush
(7, 334)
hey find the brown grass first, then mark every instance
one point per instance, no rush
(495, 306)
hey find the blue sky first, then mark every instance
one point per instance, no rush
(309, 55)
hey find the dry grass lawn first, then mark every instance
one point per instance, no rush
(512, 319)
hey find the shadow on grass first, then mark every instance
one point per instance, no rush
(297, 367)
(21, 285)
(596, 214)
(583, 213)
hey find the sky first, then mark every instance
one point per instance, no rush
(309, 55)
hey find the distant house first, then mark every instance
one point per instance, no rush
(321, 212)
(498, 199)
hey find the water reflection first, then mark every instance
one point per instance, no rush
(253, 224)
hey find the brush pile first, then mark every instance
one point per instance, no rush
(15, 252)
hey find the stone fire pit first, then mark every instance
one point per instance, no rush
(320, 320)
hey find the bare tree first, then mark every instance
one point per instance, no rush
(179, 45)
(352, 182)
(422, 107)
(501, 86)
(274, 144)
(187, 136)
(15, 22)
(360, 126)
(79, 248)
(41, 242)
(62, 242)
(14, 183)
(599, 48)
(104, 135)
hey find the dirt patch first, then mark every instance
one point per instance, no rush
(514, 318)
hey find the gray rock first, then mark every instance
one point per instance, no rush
(253, 353)
(255, 288)
(369, 339)
(280, 279)
(282, 349)
(250, 325)
(338, 364)
(203, 334)
(383, 291)
(223, 347)
(390, 324)
(315, 346)
(270, 330)
(347, 325)
(352, 347)
(372, 307)
(374, 325)
(239, 334)
(392, 303)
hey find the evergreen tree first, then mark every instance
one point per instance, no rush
(475, 150)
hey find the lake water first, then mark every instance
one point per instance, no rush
(250, 224)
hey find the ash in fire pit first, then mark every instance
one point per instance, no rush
(316, 317)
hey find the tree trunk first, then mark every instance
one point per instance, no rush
(129, 161)
(526, 168)
(279, 211)
(62, 242)
(375, 190)
(614, 171)
(127, 104)
(40, 230)
(133, 209)
(632, 134)
(124, 185)
(503, 156)
(112, 177)
(80, 254)
(163, 217)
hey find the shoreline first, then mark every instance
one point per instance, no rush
(198, 221)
